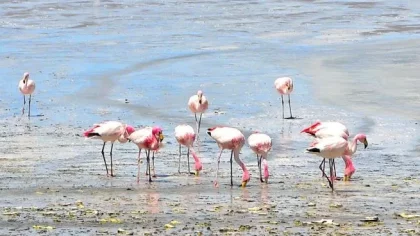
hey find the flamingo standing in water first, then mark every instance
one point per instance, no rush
(149, 138)
(261, 145)
(185, 136)
(329, 148)
(109, 131)
(330, 129)
(327, 129)
(234, 140)
(26, 87)
(284, 86)
(198, 104)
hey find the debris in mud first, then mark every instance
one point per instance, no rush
(370, 219)
(11, 213)
(407, 216)
(408, 231)
(325, 222)
(311, 204)
(79, 204)
(172, 224)
(110, 220)
(245, 228)
(42, 227)
(336, 205)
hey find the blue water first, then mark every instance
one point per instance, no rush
(89, 57)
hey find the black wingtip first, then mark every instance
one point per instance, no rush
(92, 135)
(313, 150)
(209, 133)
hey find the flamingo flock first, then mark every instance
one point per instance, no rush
(332, 139)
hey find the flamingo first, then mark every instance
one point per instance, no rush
(185, 135)
(331, 129)
(261, 145)
(327, 129)
(198, 104)
(26, 87)
(109, 131)
(234, 140)
(149, 138)
(329, 148)
(284, 86)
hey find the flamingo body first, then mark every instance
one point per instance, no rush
(284, 85)
(232, 139)
(261, 145)
(185, 136)
(198, 104)
(26, 87)
(109, 131)
(148, 138)
(329, 148)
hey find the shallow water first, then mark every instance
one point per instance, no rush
(352, 61)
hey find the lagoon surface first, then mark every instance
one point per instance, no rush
(139, 61)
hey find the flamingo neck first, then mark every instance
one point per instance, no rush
(353, 145)
(198, 165)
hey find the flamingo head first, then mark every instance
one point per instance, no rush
(200, 96)
(26, 76)
(362, 138)
(349, 169)
(265, 170)
(198, 168)
(129, 130)
(311, 129)
(157, 132)
(245, 178)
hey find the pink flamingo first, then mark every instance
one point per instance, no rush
(26, 87)
(331, 129)
(109, 131)
(185, 135)
(324, 130)
(198, 104)
(261, 145)
(149, 138)
(232, 139)
(284, 86)
(330, 148)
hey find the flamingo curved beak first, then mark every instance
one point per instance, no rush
(197, 173)
(161, 137)
(243, 185)
(365, 142)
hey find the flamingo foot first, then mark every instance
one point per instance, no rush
(216, 184)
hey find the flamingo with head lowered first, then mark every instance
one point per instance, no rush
(149, 138)
(231, 139)
(109, 131)
(329, 148)
(185, 136)
(261, 145)
(322, 130)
